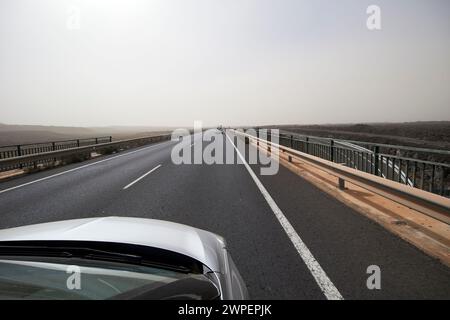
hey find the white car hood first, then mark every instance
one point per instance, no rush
(204, 246)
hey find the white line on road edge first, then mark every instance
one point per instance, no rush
(141, 177)
(325, 284)
(78, 168)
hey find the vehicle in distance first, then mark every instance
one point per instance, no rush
(116, 258)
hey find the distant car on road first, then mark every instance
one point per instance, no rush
(116, 258)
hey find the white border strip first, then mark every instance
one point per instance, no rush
(325, 284)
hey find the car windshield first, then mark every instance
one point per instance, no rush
(61, 278)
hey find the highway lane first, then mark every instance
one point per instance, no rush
(75, 193)
(225, 199)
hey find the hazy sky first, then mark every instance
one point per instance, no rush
(170, 62)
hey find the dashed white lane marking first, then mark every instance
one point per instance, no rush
(325, 284)
(141, 177)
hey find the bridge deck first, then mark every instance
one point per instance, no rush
(225, 199)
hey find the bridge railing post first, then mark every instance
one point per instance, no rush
(53, 149)
(307, 144)
(19, 153)
(376, 159)
(332, 150)
(257, 136)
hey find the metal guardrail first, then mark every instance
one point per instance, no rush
(381, 160)
(49, 157)
(18, 150)
(425, 202)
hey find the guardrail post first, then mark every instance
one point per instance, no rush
(110, 138)
(291, 142)
(376, 159)
(341, 184)
(78, 143)
(332, 150)
(96, 140)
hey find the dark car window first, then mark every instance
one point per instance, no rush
(60, 278)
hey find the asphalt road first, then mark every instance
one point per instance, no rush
(225, 199)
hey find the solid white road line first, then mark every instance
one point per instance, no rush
(325, 284)
(78, 168)
(141, 177)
